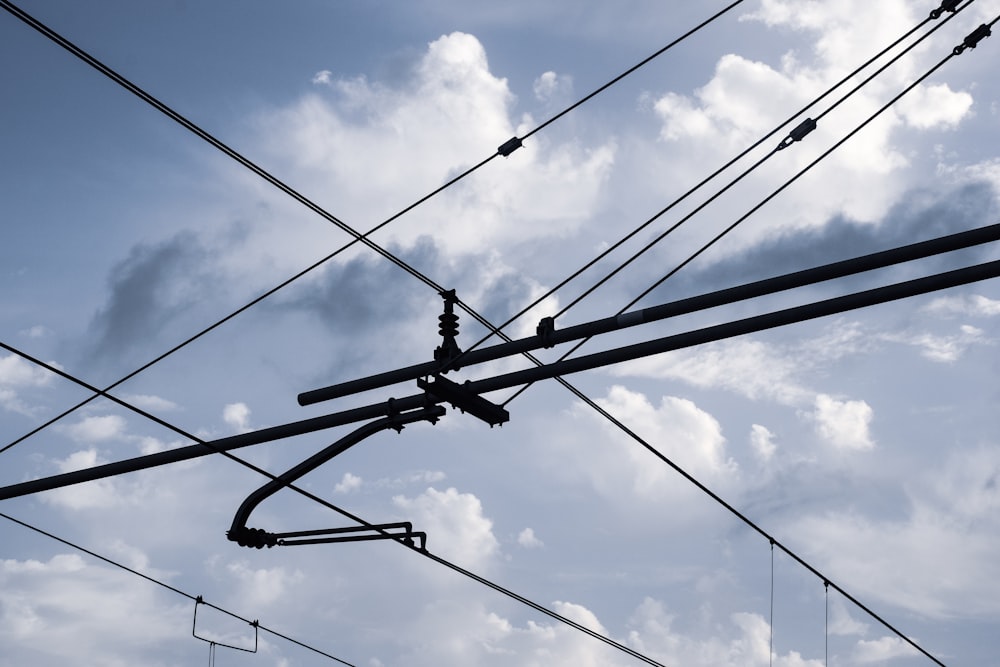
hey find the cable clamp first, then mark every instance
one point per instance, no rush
(970, 42)
(946, 6)
(509, 146)
(546, 330)
(798, 134)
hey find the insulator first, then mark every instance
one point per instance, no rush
(448, 324)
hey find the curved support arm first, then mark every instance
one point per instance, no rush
(396, 421)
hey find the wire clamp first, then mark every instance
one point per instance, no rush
(546, 330)
(946, 6)
(509, 146)
(973, 39)
(798, 134)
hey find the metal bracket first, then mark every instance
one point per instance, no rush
(258, 538)
(465, 400)
(194, 631)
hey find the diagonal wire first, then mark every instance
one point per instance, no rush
(438, 559)
(174, 589)
(145, 96)
(764, 201)
(713, 175)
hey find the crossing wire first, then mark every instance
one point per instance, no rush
(954, 53)
(359, 237)
(438, 559)
(163, 108)
(932, 16)
(193, 598)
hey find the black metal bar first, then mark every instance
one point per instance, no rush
(194, 451)
(676, 342)
(781, 283)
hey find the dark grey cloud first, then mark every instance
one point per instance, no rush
(149, 290)
(367, 291)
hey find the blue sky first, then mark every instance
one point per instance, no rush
(867, 443)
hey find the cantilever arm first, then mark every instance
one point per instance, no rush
(239, 528)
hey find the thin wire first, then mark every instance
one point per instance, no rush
(709, 178)
(515, 596)
(826, 624)
(756, 208)
(770, 651)
(174, 589)
(142, 94)
(632, 69)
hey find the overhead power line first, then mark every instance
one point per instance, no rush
(287, 431)
(946, 5)
(969, 42)
(197, 599)
(506, 149)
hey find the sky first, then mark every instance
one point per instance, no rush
(866, 443)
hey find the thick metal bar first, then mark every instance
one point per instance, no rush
(676, 342)
(781, 283)
(324, 455)
(202, 449)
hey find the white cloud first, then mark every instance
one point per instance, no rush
(882, 650)
(616, 466)
(237, 415)
(762, 441)
(323, 77)
(972, 305)
(527, 539)
(933, 106)
(365, 141)
(348, 483)
(943, 349)
(263, 586)
(37, 598)
(97, 429)
(17, 374)
(551, 87)
(98, 494)
(844, 423)
(455, 525)
(151, 403)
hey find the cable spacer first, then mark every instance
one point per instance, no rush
(946, 6)
(509, 146)
(974, 37)
(798, 134)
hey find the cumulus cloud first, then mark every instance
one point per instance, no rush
(237, 415)
(620, 469)
(262, 586)
(98, 494)
(745, 98)
(882, 650)
(364, 140)
(844, 423)
(348, 483)
(455, 525)
(97, 429)
(552, 87)
(37, 596)
(527, 539)
(17, 374)
(762, 441)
